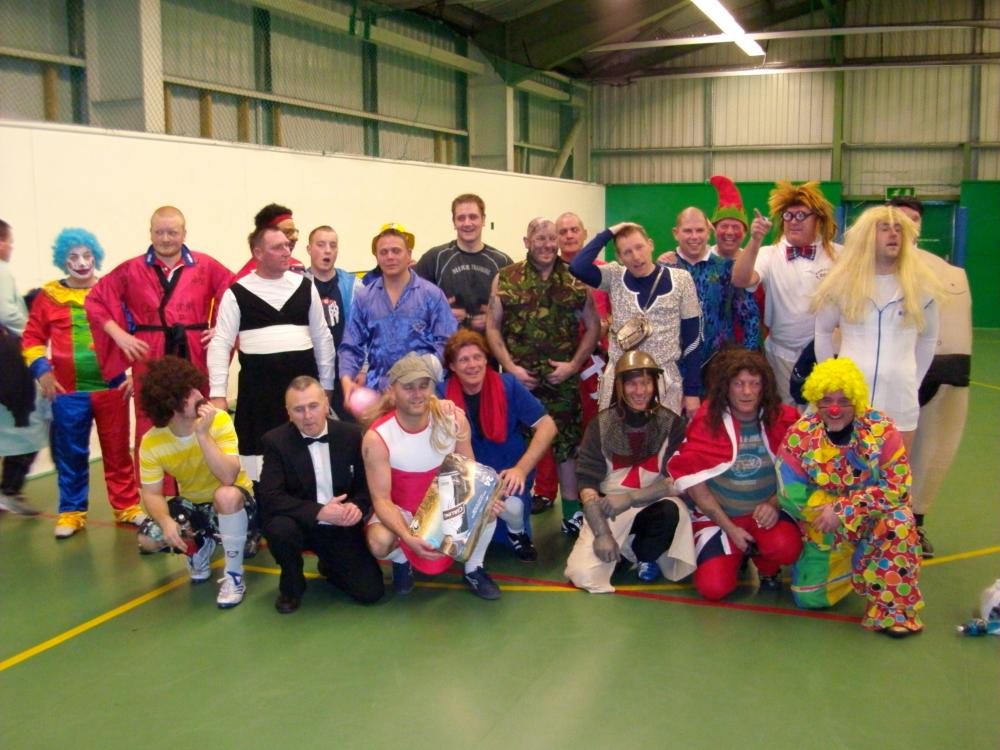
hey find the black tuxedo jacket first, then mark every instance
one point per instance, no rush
(287, 484)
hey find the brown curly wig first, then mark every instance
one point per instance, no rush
(165, 386)
(728, 364)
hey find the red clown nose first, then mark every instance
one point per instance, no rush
(833, 410)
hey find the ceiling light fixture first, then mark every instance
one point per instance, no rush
(722, 18)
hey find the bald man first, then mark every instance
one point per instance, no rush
(161, 302)
(722, 304)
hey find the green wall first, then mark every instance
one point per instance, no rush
(983, 201)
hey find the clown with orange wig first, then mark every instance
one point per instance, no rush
(843, 474)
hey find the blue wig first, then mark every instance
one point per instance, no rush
(74, 237)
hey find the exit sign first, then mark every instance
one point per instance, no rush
(899, 191)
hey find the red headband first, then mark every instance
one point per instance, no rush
(279, 218)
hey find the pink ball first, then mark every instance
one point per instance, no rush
(361, 400)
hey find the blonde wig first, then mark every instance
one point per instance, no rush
(839, 374)
(444, 427)
(807, 194)
(850, 284)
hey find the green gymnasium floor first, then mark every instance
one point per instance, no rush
(100, 648)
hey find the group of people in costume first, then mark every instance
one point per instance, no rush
(697, 410)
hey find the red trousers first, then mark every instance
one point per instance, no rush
(719, 559)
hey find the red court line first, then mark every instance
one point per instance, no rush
(699, 602)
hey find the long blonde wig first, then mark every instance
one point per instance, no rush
(808, 194)
(444, 426)
(850, 284)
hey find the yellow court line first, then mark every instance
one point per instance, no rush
(183, 579)
(985, 385)
(961, 556)
(90, 624)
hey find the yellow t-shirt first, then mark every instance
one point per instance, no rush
(163, 452)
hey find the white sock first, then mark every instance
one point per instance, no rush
(479, 551)
(397, 555)
(233, 530)
(513, 514)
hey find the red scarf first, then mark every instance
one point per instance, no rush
(492, 404)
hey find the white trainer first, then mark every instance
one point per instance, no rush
(232, 590)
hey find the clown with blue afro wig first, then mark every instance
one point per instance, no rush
(58, 346)
(76, 263)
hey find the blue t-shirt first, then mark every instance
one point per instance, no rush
(523, 410)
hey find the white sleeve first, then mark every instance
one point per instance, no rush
(323, 348)
(827, 320)
(220, 348)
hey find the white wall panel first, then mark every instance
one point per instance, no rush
(652, 113)
(354, 194)
(21, 94)
(991, 37)
(888, 12)
(416, 90)
(408, 144)
(314, 64)
(907, 105)
(930, 171)
(307, 130)
(778, 109)
(641, 168)
(185, 117)
(989, 105)
(34, 25)
(543, 122)
(208, 41)
(989, 165)
(764, 166)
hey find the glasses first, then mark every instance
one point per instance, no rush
(796, 215)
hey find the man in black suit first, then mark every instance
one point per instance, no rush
(313, 495)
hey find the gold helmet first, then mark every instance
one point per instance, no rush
(636, 361)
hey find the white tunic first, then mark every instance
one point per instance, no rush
(893, 355)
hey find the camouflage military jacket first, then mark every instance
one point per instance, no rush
(540, 316)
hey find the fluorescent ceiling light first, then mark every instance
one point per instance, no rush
(722, 18)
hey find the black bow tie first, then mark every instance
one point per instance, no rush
(320, 439)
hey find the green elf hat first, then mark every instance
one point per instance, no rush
(730, 202)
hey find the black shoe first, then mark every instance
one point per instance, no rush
(287, 604)
(540, 504)
(524, 550)
(770, 583)
(571, 526)
(482, 585)
(402, 578)
(925, 543)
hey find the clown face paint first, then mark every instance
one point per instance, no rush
(80, 263)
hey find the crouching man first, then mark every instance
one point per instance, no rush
(195, 443)
(625, 493)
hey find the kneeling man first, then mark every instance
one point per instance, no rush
(403, 450)
(313, 495)
(626, 499)
(844, 474)
(726, 466)
(195, 443)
